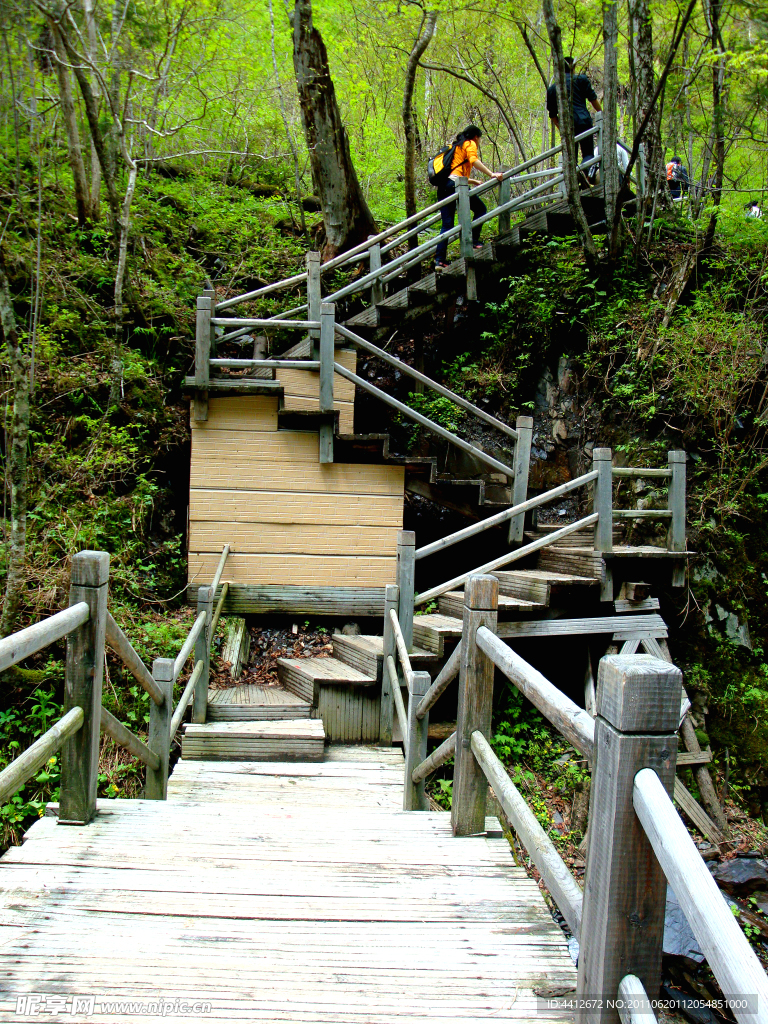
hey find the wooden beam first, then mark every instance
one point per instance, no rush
(619, 624)
(414, 793)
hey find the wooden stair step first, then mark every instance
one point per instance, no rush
(301, 739)
(620, 627)
(302, 676)
(452, 605)
(556, 580)
(423, 292)
(431, 630)
(251, 702)
(366, 653)
(582, 561)
(524, 587)
(392, 308)
(249, 385)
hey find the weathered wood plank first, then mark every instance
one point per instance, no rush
(620, 625)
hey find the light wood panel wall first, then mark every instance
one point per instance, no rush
(302, 387)
(350, 714)
(289, 520)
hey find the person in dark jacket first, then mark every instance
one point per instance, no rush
(579, 88)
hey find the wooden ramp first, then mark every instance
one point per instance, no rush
(277, 892)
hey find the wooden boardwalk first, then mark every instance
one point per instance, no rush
(277, 892)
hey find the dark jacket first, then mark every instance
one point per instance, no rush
(581, 90)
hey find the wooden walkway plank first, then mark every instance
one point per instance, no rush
(299, 891)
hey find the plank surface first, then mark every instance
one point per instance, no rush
(251, 702)
(278, 892)
(619, 625)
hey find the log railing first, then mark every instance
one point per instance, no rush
(637, 840)
(89, 627)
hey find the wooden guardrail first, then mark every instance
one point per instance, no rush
(88, 626)
(637, 840)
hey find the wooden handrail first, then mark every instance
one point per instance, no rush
(25, 765)
(424, 422)
(634, 471)
(124, 649)
(219, 606)
(443, 753)
(409, 371)
(573, 722)
(727, 951)
(510, 556)
(189, 643)
(185, 698)
(634, 1004)
(28, 641)
(398, 698)
(126, 739)
(220, 567)
(268, 364)
(551, 866)
(277, 325)
(447, 673)
(267, 289)
(402, 647)
(502, 517)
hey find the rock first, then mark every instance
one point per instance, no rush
(678, 940)
(350, 629)
(742, 876)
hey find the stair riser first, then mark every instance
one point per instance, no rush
(252, 750)
(295, 683)
(249, 713)
(371, 665)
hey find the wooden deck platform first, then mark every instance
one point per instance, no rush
(277, 892)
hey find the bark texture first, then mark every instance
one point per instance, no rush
(565, 110)
(609, 139)
(646, 109)
(69, 115)
(346, 217)
(16, 460)
(427, 30)
(712, 13)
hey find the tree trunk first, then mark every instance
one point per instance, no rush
(346, 217)
(423, 39)
(93, 50)
(16, 460)
(565, 111)
(69, 115)
(712, 12)
(610, 166)
(288, 132)
(645, 90)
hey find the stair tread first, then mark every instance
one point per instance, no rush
(504, 601)
(548, 576)
(327, 670)
(251, 694)
(311, 728)
(373, 646)
(445, 624)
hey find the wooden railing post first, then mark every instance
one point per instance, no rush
(524, 425)
(414, 793)
(505, 194)
(327, 332)
(314, 301)
(465, 217)
(202, 356)
(210, 293)
(406, 573)
(82, 688)
(386, 715)
(638, 707)
(205, 596)
(159, 736)
(602, 461)
(374, 264)
(598, 120)
(481, 599)
(676, 505)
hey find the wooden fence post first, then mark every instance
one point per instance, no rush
(82, 688)
(406, 572)
(524, 426)
(481, 599)
(414, 793)
(374, 264)
(467, 250)
(314, 301)
(202, 356)
(205, 596)
(638, 707)
(327, 355)
(211, 294)
(159, 736)
(386, 715)
(602, 461)
(676, 505)
(505, 194)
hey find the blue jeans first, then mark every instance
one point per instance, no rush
(448, 215)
